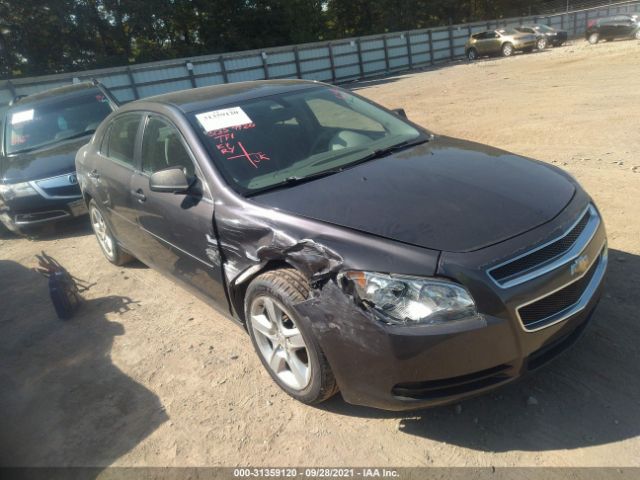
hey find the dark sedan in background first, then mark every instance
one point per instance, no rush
(361, 252)
(546, 35)
(611, 28)
(39, 138)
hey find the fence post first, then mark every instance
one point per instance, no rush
(575, 24)
(360, 64)
(223, 69)
(386, 52)
(450, 42)
(431, 60)
(296, 56)
(132, 81)
(332, 63)
(265, 66)
(189, 66)
(409, 54)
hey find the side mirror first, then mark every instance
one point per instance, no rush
(169, 180)
(400, 112)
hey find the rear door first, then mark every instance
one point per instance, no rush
(175, 231)
(112, 175)
(607, 28)
(491, 43)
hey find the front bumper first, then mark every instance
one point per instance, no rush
(51, 201)
(400, 368)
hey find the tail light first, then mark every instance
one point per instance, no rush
(591, 23)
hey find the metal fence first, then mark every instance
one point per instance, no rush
(335, 61)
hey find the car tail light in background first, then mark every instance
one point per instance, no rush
(591, 23)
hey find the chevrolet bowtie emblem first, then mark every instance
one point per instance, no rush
(580, 265)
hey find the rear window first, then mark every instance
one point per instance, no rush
(121, 138)
(35, 125)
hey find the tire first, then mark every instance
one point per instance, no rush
(8, 228)
(472, 54)
(108, 243)
(4, 231)
(285, 345)
(507, 50)
(541, 44)
(594, 38)
(637, 35)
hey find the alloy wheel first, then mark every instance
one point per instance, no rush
(102, 233)
(280, 342)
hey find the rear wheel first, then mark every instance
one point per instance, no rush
(541, 44)
(106, 240)
(472, 54)
(594, 38)
(507, 50)
(286, 346)
(637, 35)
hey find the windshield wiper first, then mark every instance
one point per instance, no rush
(295, 180)
(44, 145)
(77, 135)
(383, 152)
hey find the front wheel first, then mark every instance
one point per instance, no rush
(594, 38)
(472, 54)
(507, 50)
(106, 240)
(286, 346)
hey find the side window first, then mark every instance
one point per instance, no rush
(121, 138)
(331, 114)
(162, 147)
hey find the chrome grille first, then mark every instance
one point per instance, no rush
(566, 301)
(544, 258)
(62, 186)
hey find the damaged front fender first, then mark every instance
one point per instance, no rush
(254, 239)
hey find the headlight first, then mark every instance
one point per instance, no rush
(403, 300)
(16, 190)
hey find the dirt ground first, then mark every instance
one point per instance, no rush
(148, 375)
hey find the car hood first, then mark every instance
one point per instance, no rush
(446, 194)
(49, 161)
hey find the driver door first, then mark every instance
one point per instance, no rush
(176, 231)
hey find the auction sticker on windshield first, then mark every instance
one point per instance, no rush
(21, 117)
(225, 118)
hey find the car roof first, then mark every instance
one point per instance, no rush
(218, 95)
(54, 92)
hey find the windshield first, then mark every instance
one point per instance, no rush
(35, 125)
(264, 142)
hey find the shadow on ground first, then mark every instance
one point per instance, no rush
(588, 396)
(63, 402)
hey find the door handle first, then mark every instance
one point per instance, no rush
(139, 194)
(93, 174)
